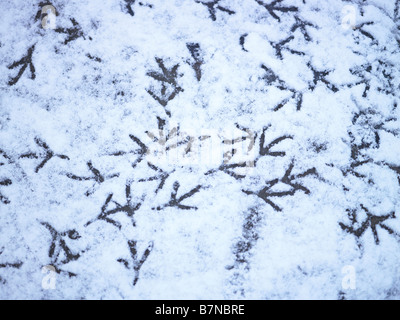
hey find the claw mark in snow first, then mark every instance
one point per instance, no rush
(24, 63)
(46, 155)
(137, 263)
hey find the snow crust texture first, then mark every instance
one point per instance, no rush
(198, 149)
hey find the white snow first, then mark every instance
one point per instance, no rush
(322, 99)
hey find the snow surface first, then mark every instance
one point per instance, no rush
(117, 125)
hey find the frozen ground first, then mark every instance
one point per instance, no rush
(184, 149)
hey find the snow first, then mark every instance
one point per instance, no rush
(117, 131)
